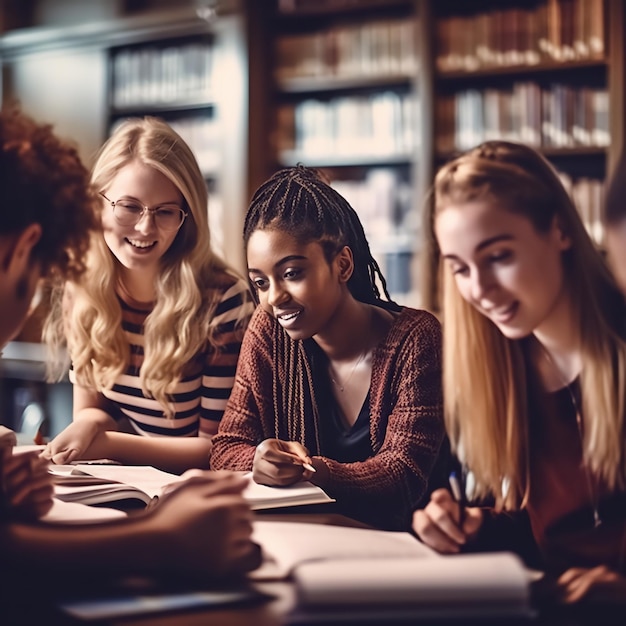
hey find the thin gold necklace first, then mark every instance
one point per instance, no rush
(593, 494)
(339, 385)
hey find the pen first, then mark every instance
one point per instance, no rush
(307, 466)
(458, 491)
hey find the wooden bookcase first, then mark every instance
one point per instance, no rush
(341, 85)
(549, 73)
(177, 76)
(546, 72)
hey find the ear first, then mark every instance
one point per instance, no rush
(345, 263)
(17, 256)
(563, 239)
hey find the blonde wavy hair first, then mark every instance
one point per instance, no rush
(188, 286)
(485, 382)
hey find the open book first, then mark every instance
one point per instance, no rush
(464, 585)
(101, 484)
(370, 572)
(288, 545)
(298, 494)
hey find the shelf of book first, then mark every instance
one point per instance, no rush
(179, 76)
(548, 73)
(344, 98)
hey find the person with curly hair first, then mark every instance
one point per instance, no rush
(154, 326)
(202, 527)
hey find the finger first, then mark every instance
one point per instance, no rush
(444, 516)
(280, 457)
(247, 557)
(65, 456)
(574, 590)
(432, 534)
(296, 448)
(277, 474)
(442, 497)
(12, 461)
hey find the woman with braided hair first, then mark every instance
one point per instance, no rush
(319, 394)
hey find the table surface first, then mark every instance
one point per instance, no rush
(278, 609)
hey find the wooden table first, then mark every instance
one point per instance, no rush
(278, 609)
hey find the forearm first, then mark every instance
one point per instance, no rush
(398, 470)
(171, 454)
(124, 548)
(232, 454)
(96, 416)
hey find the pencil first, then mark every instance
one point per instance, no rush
(456, 486)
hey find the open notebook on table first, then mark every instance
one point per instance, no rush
(110, 484)
(360, 572)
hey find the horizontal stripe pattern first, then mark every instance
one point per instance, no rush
(200, 398)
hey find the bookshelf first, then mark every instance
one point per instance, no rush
(343, 88)
(549, 73)
(177, 75)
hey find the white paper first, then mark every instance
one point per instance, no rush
(266, 497)
(288, 544)
(76, 513)
(470, 580)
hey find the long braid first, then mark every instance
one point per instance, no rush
(297, 201)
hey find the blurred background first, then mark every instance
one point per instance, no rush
(377, 93)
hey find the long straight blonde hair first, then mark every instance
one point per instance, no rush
(188, 287)
(485, 382)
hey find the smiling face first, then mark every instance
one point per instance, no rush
(502, 265)
(139, 247)
(295, 282)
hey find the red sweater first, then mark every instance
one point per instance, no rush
(406, 418)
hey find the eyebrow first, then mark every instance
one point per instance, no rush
(484, 244)
(156, 206)
(287, 259)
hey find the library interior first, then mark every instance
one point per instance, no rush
(376, 94)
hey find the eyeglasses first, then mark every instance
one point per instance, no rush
(130, 212)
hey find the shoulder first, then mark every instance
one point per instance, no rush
(233, 296)
(415, 322)
(414, 334)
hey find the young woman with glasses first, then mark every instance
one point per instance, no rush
(154, 327)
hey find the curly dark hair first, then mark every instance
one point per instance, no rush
(42, 180)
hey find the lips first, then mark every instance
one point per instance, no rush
(503, 315)
(141, 245)
(287, 318)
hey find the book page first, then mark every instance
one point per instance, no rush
(148, 479)
(285, 545)
(76, 513)
(265, 497)
(483, 582)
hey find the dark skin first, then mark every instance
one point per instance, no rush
(308, 295)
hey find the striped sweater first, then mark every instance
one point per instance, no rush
(199, 399)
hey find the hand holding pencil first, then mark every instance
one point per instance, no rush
(280, 463)
(446, 523)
